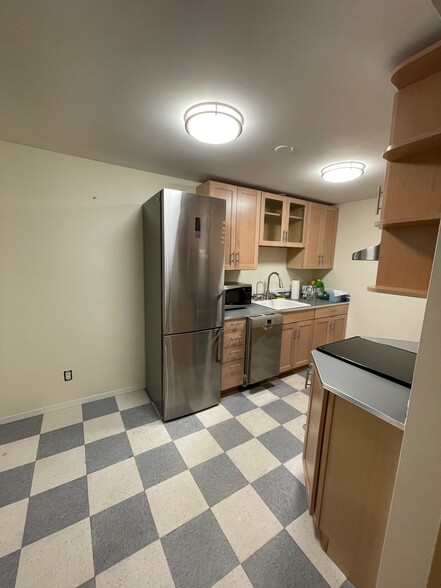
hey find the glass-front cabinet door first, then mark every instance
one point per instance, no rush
(295, 219)
(283, 221)
(272, 224)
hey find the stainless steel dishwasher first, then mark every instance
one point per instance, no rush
(262, 355)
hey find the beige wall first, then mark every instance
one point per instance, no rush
(377, 315)
(71, 294)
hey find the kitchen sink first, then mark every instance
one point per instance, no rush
(280, 304)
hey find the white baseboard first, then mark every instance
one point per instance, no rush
(53, 407)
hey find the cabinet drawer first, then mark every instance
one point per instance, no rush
(234, 339)
(297, 316)
(234, 325)
(331, 310)
(232, 374)
(234, 353)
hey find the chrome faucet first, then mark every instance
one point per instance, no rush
(262, 295)
(268, 284)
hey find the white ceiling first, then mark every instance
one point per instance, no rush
(110, 80)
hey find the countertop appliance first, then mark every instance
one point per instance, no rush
(184, 247)
(262, 353)
(383, 360)
(237, 295)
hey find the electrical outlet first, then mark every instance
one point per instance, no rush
(68, 375)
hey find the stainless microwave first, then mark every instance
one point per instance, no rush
(237, 295)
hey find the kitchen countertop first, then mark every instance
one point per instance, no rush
(379, 396)
(256, 309)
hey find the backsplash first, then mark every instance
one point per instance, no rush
(271, 259)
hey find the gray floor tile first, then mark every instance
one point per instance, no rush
(184, 426)
(282, 443)
(92, 410)
(89, 584)
(16, 484)
(283, 494)
(140, 415)
(280, 411)
(20, 429)
(237, 404)
(282, 564)
(8, 569)
(218, 478)
(106, 452)
(280, 388)
(56, 509)
(198, 553)
(347, 584)
(121, 530)
(230, 433)
(159, 464)
(60, 440)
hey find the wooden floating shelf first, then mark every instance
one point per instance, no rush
(408, 222)
(405, 150)
(419, 66)
(398, 291)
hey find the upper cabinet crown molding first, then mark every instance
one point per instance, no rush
(241, 225)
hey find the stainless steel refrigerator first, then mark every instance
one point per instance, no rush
(184, 245)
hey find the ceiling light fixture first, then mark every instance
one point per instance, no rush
(344, 171)
(213, 122)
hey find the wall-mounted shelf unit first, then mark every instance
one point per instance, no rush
(406, 150)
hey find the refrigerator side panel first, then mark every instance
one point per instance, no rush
(194, 246)
(192, 372)
(153, 299)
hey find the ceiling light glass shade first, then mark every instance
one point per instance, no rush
(213, 122)
(344, 171)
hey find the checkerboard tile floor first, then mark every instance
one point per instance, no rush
(106, 495)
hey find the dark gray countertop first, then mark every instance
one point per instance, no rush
(379, 396)
(256, 309)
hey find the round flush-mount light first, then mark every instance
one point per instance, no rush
(344, 171)
(213, 122)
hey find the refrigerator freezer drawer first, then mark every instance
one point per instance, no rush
(191, 372)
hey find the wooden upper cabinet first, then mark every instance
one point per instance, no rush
(283, 221)
(321, 232)
(242, 223)
(411, 208)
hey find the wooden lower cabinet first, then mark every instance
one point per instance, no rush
(233, 353)
(329, 325)
(296, 340)
(350, 460)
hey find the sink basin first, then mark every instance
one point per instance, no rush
(280, 304)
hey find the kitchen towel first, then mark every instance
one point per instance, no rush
(295, 289)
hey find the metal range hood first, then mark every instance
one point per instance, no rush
(371, 253)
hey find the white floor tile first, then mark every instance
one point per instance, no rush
(198, 447)
(175, 501)
(298, 400)
(296, 381)
(62, 418)
(148, 437)
(257, 421)
(102, 427)
(235, 579)
(58, 469)
(253, 459)
(246, 521)
(295, 466)
(147, 568)
(213, 416)
(132, 399)
(18, 453)
(261, 397)
(61, 559)
(113, 484)
(303, 532)
(12, 522)
(296, 427)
